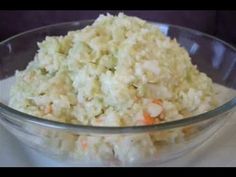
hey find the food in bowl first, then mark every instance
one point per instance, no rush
(120, 71)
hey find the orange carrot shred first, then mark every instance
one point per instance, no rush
(84, 145)
(162, 116)
(148, 120)
(48, 109)
(157, 101)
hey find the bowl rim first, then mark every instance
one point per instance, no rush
(10, 113)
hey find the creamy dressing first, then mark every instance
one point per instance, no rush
(120, 71)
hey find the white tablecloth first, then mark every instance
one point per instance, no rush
(220, 150)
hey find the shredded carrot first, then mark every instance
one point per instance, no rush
(48, 109)
(98, 120)
(148, 120)
(84, 145)
(188, 130)
(137, 98)
(157, 101)
(162, 116)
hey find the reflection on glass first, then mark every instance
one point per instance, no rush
(218, 52)
(9, 47)
(163, 28)
(190, 45)
(193, 48)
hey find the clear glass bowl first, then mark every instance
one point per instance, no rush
(214, 57)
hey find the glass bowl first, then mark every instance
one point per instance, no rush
(60, 141)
